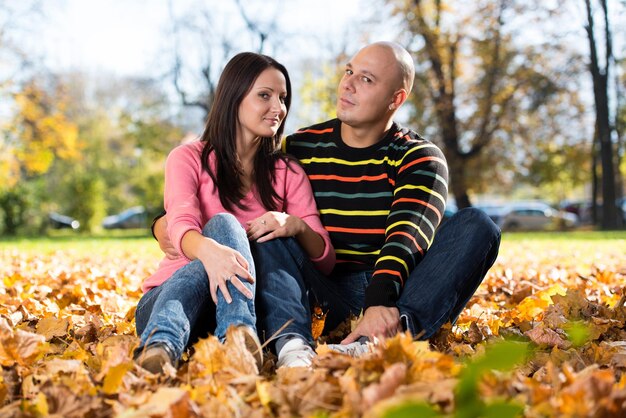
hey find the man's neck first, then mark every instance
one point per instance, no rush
(363, 136)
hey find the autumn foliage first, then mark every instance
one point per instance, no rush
(543, 336)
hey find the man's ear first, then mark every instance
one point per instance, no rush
(399, 97)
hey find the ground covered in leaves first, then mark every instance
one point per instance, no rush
(543, 336)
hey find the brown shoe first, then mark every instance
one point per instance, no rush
(153, 357)
(253, 344)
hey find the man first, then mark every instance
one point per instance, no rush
(381, 192)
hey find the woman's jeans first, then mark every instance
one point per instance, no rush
(436, 291)
(181, 310)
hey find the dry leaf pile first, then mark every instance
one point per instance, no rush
(67, 335)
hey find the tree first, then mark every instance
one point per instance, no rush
(318, 93)
(126, 131)
(14, 64)
(40, 131)
(214, 42)
(484, 84)
(16, 18)
(86, 146)
(38, 135)
(600, 74)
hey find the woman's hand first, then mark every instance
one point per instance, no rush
(223, 265)
(274, 225)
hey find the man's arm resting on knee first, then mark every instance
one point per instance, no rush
(420, 193)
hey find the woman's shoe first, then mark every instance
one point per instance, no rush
(154, 356)
(252, 343)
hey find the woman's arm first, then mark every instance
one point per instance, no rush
(159, 232)
(185, 220)
(221, 263)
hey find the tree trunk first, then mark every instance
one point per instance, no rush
(458, 181)
(594, 179)
(442, 51)
(600, 92)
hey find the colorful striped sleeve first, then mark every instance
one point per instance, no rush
(420, 193)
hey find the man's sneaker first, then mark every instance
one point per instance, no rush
(153, 357)
(253, 344)
(354, 349)
(295, 353)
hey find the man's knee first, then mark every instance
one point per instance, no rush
(279, 248)
(476, 223)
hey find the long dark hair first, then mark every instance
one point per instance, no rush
(220, 133)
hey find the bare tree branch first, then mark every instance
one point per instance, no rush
(483, 136)
(254, 27)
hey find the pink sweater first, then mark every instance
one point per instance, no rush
(191, 199)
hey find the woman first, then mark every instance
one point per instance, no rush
(234, 176)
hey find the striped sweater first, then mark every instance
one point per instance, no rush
(380, 204)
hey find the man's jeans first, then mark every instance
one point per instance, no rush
(436, 291)
(181, 310)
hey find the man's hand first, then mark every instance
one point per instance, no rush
(377, 321)
(160, 232)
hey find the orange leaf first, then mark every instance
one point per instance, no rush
(393, 377)
(546, 336)
(20, 347)
(51, 327)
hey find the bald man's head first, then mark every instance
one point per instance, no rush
(404, 62)
(376, 82)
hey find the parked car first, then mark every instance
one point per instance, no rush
(58, 221)
(577, 207)
(134, 217)
(584, 210)
(536, 216)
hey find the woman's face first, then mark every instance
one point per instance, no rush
(263, 109)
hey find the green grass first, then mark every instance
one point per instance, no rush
(129, 240)
(564, 235)
(141, 240)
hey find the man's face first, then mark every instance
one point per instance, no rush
(367, 87)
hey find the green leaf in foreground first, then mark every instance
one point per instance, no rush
(502, 356)
(578, 333)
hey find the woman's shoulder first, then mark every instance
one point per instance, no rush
(288, 164)
(187, 150)
(188, 147)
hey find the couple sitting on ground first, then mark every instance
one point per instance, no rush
(345, 218)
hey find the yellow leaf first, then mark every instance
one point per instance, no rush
(169, 402)
(209, 356)
(262, 389)
(40, 405)
(114, 376)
